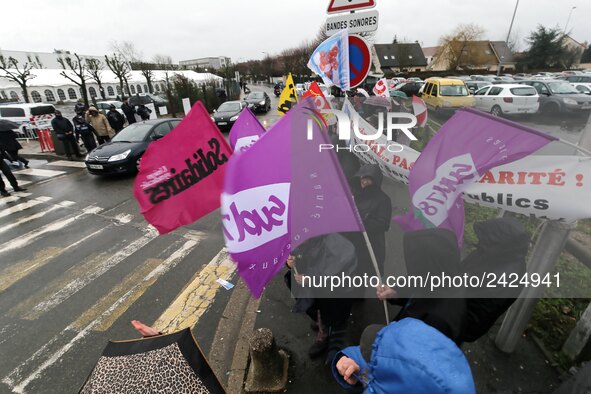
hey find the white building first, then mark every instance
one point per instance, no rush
(49, 86)
(209, 63)
(48, 60)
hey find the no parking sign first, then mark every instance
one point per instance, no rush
(359, 60)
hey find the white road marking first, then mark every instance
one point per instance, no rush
(75, 285)
(66, 203)
(22, 183)
(22, 206)
(124, 218)
(65, 163)
(39, 172)
(25, 239)
(19, 387)
(14, 197)
(26, 219)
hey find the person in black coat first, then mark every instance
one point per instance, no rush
(5, 168)
(116, 120)
(85, 131)
(11, 146)
(375, 209)
(128, 110)
(64, 131)
(502, 249)
(144, 112)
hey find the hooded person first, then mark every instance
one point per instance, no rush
(64, 131)
(407, 356)
(100, 124)
(375, 209)
(321, 257)
(11, 146)
(128, 110)
(427, 254)
(501, 250)
(144, 112)
(116, 120)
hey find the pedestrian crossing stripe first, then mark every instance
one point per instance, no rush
(23, 206)
(65, 163)
(39, 172)
(13, 197)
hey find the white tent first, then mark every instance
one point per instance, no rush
(49, 85)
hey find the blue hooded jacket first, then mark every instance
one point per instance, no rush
(410, 356)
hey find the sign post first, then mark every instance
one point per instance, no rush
(359, 60)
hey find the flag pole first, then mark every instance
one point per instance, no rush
(375, 266)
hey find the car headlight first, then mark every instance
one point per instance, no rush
(120, 156)
(570, 101)
(87, 156)
(212, 118)
(262, 102)
(233, 118)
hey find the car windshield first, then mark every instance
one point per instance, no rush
(229, 107)
(157, 99)
(117, 104)
(256, 96)
(453, 90)
(133, 133)
(42, 110)
(523, 91)
(562, 88)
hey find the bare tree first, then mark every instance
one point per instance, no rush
(13, 73)
(79, 70)
(164, 63)
(147, 70)
(121, 70)
(95, 69)
(454, 48)
(127, 51)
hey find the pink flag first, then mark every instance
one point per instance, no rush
(246, 131)
(281, 192)
(420, 110)
(181, 175)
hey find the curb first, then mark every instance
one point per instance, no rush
(44, 156)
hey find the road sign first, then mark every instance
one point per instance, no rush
(354, 23)
(349, 5)
(359, 59)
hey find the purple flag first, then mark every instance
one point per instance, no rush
(281, 192)
(468, 145)
(246, 131)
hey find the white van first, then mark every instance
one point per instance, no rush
(22, 114)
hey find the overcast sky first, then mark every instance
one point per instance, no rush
(244, 29)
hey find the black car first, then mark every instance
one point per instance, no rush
(227, 113)
(410, 88)
(122, 155)
(259, 101)
(147, 99)
(559, 96)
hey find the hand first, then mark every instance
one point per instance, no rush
(298, 278)
(347, 367)
(290, 261)
(384, 292)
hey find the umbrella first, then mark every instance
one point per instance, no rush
(170, 363)
(7, 125)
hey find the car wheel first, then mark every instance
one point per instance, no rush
(551, 109)
(496, 111)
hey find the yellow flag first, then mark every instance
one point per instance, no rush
(288, 96)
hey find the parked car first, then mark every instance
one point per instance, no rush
(105, 105)
(21, 114)
(567, 73)
(147, 98)
(415, 79)
(460, 77)
(259, 101)
(507, 99)
(474, 86)
(577, 78)
(442, 93)
(227, 113)
(300, 89)
(557, 96)
(409, 88)
(584, 88)
(123, 154)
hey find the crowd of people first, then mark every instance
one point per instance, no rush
(92, 127)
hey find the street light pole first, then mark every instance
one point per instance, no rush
(507, 40)
(568, 19)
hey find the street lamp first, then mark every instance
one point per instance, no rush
(568, 19)
(507, 40)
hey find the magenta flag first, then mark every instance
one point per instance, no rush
(181, 175)
(281, 192)
(246, 131)
(469, 144)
